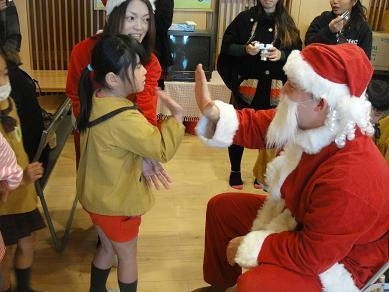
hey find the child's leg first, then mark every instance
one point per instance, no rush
(127, 266)
(24, 256)
(6, 269)
(102, 262)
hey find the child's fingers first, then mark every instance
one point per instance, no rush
(148, 181)
(166, 176)
(163, 180)
(155, 182)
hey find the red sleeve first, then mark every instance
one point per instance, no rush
(79, 59)
(334, 220)
(147, 99)
(253, 127)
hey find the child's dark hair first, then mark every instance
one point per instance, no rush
(115, 21)
(112, 53)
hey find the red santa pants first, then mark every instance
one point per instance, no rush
(230, 215)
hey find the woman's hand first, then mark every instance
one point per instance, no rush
(336, 25)
(232, 249)
(176, 110)
(252, 49)
(273, 54)
(32, 172)
(154, 174)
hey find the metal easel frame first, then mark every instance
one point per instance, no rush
(62, 126)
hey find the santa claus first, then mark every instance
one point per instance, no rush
(324, 225)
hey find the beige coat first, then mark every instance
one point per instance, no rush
(109, 179)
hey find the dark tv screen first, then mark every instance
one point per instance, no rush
(187, 52)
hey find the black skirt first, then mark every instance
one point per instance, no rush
(16, 226)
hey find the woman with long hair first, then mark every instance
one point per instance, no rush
(332, 27)
(127, 17)
(248, 70)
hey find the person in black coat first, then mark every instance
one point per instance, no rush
(329, 28)
(10, 37)
(240, 59)
(163, 20)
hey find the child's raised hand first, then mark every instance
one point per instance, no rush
(154, 173)
(32, 172)
(176, 110)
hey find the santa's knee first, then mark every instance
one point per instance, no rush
(217, 206)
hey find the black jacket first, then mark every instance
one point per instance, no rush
(234, 67)
(319, 32)
(29, 112)
(163, 20)
(9, 28)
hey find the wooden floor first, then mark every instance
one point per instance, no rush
(171, 238)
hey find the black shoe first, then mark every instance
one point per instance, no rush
(236, 180)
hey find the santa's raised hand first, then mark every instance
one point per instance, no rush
(203, 98)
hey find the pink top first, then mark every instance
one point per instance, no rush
(10, 171)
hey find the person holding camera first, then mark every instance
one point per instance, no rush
(347, 22)
(10, 37)
(254, 49)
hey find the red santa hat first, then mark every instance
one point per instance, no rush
(332, 72)
(111, 4)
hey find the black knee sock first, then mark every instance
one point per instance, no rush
(23, 279)
(235, 153)
(98, 279)
(128, 287)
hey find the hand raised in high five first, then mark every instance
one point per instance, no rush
(203, 99)
(176, 110)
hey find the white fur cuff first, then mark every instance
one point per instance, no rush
(248, 251)
(337, 279)
(225, 128)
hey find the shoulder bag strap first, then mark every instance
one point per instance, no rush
(110, 115)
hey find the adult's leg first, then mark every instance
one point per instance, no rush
(269, 278)
(228, 215)
(235, 153)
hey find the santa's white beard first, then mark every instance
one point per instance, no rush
(284, 126)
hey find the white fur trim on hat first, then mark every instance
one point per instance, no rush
(111, 4)
(337, 279)
(249, 248)
(225, 128)
(302, 74)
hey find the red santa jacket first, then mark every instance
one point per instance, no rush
(81, 57)
(338, 198)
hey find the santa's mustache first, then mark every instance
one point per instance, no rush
(284, 126)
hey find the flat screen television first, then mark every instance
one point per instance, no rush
(189, 49)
